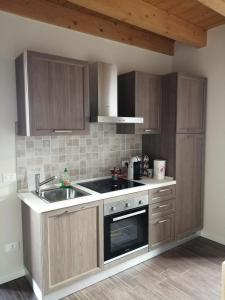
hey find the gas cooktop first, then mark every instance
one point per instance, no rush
(109, 185)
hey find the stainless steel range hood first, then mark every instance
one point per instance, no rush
(103, 95)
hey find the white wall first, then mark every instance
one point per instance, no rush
(17, 34)
(210, 62)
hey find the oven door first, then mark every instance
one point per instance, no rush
(125, 232)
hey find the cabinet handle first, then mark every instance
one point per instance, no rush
(148, 130)
(163, 221)
(165, 190)
(161, 206)
(62, 131)
(72, 211)
(156, 198)
(63, 213)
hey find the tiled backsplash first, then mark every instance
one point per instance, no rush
(85, 156)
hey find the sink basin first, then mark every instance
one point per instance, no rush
(61, 194)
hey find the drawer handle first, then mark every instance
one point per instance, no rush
(161, 206)
(164, 190)
(163, 221)
(62, 131)
(156, 198)
(148, 130)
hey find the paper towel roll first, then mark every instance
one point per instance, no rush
(159, 169)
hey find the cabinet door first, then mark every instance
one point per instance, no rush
(73, 244)
(191, 104)
(190, 180)
(58, 95)
(161, 230)
(148, 103)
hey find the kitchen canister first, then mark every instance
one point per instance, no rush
(159, 169)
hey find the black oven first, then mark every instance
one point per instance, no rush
(125, 231)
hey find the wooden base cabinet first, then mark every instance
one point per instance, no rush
(190, 150)
(71, 245)
(161, 230)
(161, 215)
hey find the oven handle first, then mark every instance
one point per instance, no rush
(129, 215)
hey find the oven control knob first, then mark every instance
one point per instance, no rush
(112, 208)
(140, 202)
(127, 205)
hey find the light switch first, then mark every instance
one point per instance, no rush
(8, 178)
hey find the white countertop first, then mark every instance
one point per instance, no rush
(41, 206)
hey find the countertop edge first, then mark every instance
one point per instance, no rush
(40, 206)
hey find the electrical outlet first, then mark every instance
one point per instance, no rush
(125, 163)
(14, 246)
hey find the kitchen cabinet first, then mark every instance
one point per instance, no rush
(161, 230)
(162, 194)
(191, 106)
(52, 95)
(70, 244)
(182, 144)
(139, 95)
(161, 215)
(190, 178)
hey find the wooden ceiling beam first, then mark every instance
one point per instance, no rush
(216, 5)
(149, 17)
(81, 20)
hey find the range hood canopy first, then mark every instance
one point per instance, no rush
(103, 95)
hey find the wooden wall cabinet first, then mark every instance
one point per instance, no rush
(52, 95)
(70, 244)
(139, 95)
(182, 144)
(191, 104)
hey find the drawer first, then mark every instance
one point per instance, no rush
(161, 230)
(162, 194)
(162, 208)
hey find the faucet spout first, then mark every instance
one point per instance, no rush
(38, 184)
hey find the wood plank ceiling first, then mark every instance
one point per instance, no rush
(150, 24)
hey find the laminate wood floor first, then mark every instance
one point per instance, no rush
(188, 272)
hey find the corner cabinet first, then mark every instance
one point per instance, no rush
(63, 246)
(52, 95)
(139, 95)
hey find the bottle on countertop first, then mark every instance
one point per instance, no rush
(65, 182)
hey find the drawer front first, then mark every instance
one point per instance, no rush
(161, 230)
(162, 208)
(162, 194)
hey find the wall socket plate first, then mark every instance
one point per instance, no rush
(14, 246)
(125, 163)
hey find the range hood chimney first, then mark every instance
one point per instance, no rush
(103, 95)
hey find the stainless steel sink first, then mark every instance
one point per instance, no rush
(61, 194)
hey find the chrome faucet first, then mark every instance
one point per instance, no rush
(38, 184)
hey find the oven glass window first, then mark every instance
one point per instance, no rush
(124, 233)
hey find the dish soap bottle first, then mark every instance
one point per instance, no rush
(65, 179)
